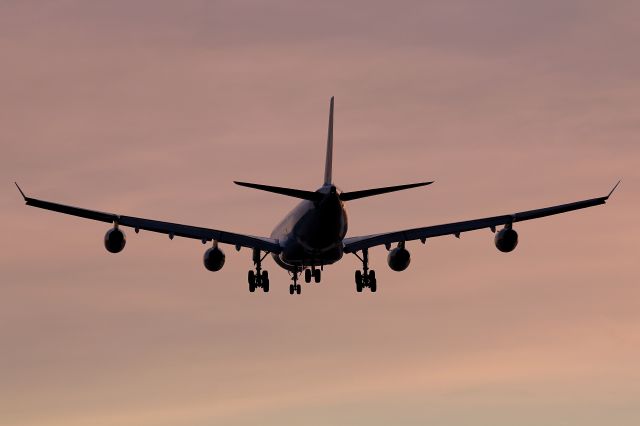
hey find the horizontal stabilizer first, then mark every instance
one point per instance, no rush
(290, 192)
(348, 196)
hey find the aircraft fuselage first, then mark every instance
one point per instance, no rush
(312, 233)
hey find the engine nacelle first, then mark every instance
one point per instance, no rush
(114, 240)
(506, 240)
(214, 259)
(399, 259)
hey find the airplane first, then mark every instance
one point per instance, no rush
(313, 234)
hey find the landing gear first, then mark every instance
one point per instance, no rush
(312, 273)
(295, 288)
(258, 278)
(366, 277)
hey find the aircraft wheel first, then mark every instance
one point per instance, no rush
(373, 284)
(252, 287)
(307, 276)
(290, 288)
(316, 275)
(251, 277)
(358, 277)
(298, 289)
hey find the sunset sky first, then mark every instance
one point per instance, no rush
(153, 108)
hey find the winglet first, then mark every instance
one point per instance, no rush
(21, 193)
(614, 188)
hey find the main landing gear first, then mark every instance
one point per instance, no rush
(312, 273)
(258, 278)
(366, 277)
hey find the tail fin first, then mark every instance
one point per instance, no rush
(328, 165)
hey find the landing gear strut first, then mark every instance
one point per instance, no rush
(366, 277)
(258, 278)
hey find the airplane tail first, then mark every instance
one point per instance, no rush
(328, 165)
(328, 179)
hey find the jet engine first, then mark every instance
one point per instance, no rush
(214, 259)
(506, 240)
(114, 240)
(399, 258)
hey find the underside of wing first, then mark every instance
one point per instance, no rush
(354, 244)
(171, 229)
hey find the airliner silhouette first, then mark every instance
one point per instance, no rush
(312, 235)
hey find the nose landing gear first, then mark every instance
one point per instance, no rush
(366, 277)
(295, 288)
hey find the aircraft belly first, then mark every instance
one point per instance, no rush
(295, 254)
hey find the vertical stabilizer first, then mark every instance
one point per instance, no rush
(329, 161)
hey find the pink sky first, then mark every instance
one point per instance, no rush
(153, 109)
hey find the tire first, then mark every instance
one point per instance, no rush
(265, 285)
(298, 289)
(265, 275)
(252, 287)
(317, 276)
(290, 288)
(359, 287)
(307, 276)
(251, 277)
(372, 275)
(373, 285)
(359, 277)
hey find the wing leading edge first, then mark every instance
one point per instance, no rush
(171, 229)
(355, 244)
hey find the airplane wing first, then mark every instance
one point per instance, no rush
(354, 244)
(172, 229)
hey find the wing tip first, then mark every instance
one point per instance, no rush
(21, 192)
(614, 188)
